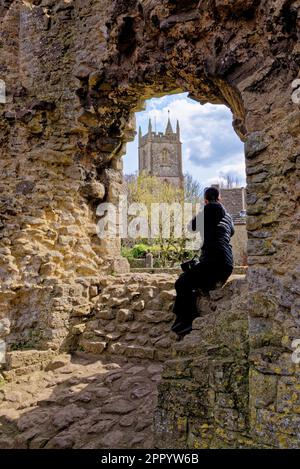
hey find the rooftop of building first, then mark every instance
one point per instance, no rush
(233, 200)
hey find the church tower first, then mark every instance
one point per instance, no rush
(160, 154)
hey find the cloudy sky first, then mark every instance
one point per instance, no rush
(211, 149)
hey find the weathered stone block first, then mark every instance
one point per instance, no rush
(255, 144)
(288, 395)
(178, 368)
(24, 358)
(264, 331)
(93, 291)
(142, 340)
(117, 348)
(168, 295)
(4, 327)
(151, 316)
(107, 314)
(81, 310)
(78, 329)
(2, 352)
(120, 265)
(85, 68)
(93, 190)
(117, 302)
(58, 362)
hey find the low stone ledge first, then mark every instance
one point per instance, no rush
(22, 362)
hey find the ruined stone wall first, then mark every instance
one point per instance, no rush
(48, 193)
(202, 381)
(239, 245)
(76, 73)
(125, 315)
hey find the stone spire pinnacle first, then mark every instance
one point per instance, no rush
(169, 129)
(150, 126)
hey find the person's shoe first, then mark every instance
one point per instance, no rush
(184, 330)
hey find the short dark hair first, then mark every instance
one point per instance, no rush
(211, 194)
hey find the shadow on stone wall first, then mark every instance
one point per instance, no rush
(88, 402)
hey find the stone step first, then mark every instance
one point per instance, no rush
(136, 351)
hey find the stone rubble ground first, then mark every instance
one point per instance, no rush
(90, 402)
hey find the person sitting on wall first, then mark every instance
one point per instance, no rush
(215, 264)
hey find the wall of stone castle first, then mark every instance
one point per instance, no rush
(203, 399)
(239, 245)
(173, 169)
(204, 389)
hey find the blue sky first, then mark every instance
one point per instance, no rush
(211, 149)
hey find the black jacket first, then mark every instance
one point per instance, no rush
(218, 229)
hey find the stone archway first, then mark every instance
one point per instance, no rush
(81, 69)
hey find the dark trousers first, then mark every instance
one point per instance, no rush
(204, 276)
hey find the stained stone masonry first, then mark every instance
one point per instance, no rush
(118, 378)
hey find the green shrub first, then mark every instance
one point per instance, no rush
(165, 255)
